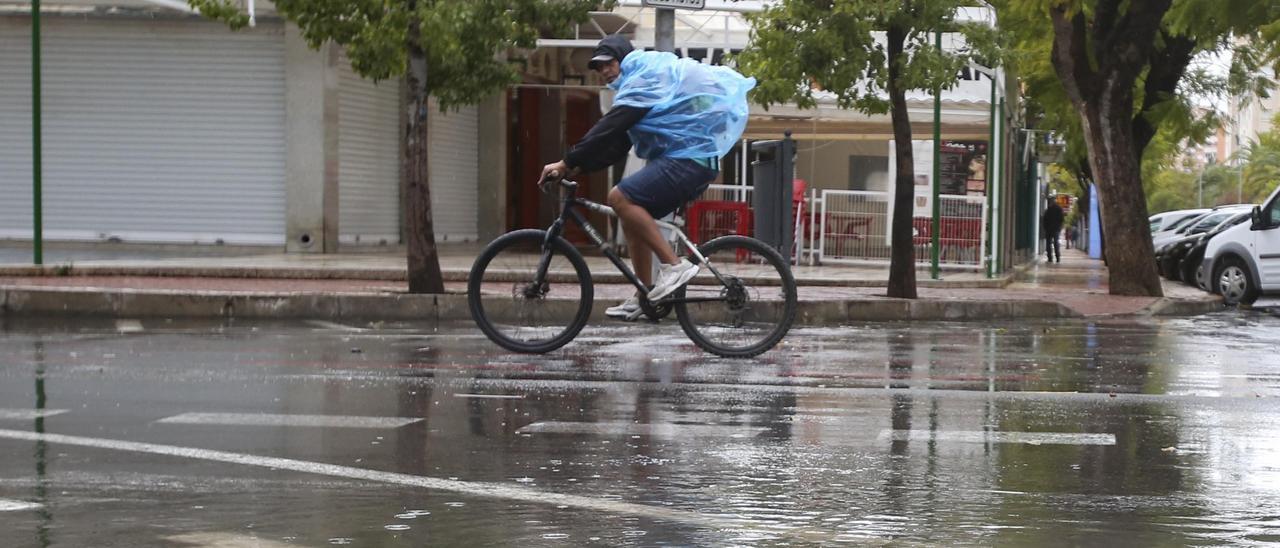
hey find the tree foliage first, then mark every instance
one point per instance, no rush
(1173, 186)
(1193, 35)
(1124, 72)
(460, 39)
(803, 48)
(865, 55)
(1261, 166)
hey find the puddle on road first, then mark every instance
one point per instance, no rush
(812, 464)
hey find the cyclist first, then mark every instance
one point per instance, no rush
(682, 116)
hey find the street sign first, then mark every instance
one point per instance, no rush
(680, 4)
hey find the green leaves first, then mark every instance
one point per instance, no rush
(1248, 31)
(222, 10)
(463, 41)
(800, 48)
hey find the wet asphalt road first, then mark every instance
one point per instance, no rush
(151, 433)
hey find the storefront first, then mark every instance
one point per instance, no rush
(844, 158)
(162, 127)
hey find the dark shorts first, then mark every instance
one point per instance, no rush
(665, 184)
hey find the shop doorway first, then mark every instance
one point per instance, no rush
(545, 121)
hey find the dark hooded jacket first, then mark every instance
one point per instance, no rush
(607, 142)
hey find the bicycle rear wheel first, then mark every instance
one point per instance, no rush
(753, 307)
(518, 314)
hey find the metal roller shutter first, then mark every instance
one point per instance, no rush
(162, 131)
(368, 158)
(454, 159)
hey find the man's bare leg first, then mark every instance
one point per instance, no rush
(643, 236)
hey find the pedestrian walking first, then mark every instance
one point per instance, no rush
(1051, 223)
(1070, 235)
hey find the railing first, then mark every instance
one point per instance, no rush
(854, 229)
(853, 226)
(850, 226)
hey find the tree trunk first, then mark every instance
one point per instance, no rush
(1131, 267)
(902, 261)
(424, 260)
(1098, 65)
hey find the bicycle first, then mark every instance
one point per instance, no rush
(741, 303)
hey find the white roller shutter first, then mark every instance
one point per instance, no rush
(368, 158)
(163, 131)
(454, 165)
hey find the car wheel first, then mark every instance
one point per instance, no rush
(1234, 284)
(1190, 272)
(1200, 281)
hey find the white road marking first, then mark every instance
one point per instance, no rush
(478, 489)
(979, 436)
(10, 505)
(29, 414)
(491, 396)
(264, 419)
(337, 326)
(129, 326)
(225, 540)
(666, 431)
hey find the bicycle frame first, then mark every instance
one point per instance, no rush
(569, 212)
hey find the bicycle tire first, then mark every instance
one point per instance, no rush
(518, 254)
(761, 298)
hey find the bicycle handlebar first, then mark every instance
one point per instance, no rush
(544, 184)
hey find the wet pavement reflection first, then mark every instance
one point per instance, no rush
(318, 433)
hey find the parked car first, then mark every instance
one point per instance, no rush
(1244, 260)
(1172, 219)
(1182, 259)
(1196, 226)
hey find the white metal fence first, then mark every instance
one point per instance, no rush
(854, 228)
(850, 226)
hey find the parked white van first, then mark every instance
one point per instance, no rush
(1245, 259)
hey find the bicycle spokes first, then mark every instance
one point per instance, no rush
(529, 293)
(746, 308)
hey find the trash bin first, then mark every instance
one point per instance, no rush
(773, 171)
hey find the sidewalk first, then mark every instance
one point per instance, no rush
(370, 286)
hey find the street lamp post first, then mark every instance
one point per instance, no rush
(1200, 189)
(37, 159)
(1240, 182)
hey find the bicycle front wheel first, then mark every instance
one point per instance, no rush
(749, 309)
(517, 312)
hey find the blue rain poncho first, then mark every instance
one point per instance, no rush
(697, 110)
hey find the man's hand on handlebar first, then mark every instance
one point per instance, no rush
(552, 173)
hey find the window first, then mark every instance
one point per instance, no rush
(869, 173)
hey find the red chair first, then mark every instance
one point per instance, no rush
(709, 219)
(799, 218)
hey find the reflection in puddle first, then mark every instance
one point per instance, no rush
(935, 433)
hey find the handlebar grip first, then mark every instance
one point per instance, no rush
(545, 182)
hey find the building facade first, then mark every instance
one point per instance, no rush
(160, 126)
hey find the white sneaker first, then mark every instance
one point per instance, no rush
(625, 310)
(672, 277)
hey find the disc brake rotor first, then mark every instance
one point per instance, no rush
(735, 294)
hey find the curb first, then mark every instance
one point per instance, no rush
(1171, 306)
(134, 303)
(397, 275)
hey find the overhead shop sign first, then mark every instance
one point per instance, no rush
(680, 4)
